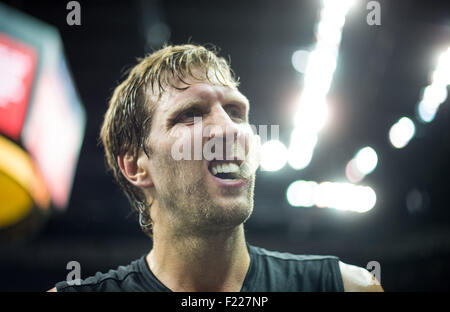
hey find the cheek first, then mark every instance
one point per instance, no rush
(184, 143)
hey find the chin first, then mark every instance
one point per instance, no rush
(230, 215)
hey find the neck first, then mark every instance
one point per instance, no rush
(218, 262)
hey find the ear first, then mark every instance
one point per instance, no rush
(135, 169)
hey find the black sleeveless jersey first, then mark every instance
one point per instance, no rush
(269, 271)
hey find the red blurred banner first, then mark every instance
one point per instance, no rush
(18, 63)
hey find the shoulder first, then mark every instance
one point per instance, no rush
(357, 279)
(285, 271)
(287, 256)
(123, 278)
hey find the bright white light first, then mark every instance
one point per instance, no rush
(300, 60)
(299, 158)
(301, 193)
(320, 69)
(433, 96)
(436, 93)
(426, 111)
(443, 69)
(329, 32)
(304, 137)
(402, 132)
(322, 194)
(366, 160)
(273, 155)
(301, 147)
(352, 173)
(365, 199)
(339, 7)
(342, 196)
(338, 196)
(441, 76)
(312, 114)
(329, 16)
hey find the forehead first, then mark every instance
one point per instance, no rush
(198, 91)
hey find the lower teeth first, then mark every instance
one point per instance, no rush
(226, 176)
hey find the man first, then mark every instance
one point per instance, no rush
(178, 100)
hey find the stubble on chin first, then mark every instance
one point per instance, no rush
(192, 209)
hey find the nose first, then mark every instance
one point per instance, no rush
(231, 135)
(219, 124)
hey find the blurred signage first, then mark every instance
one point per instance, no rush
(41, 117)
(17, 68)
(53, 131)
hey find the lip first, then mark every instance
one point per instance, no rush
(222, 183)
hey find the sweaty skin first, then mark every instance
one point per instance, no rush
(198, 234)
(197, 220)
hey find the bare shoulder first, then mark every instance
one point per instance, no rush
(357, 279)
(52, 290)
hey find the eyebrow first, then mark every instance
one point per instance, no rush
(192, 103)
(242, 99)
(200, 102)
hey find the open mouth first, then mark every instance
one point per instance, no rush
(225, 169)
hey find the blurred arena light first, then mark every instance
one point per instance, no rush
(436, 93)
(301, 147)
(402, 132)
(300, 60)
(364, 162)
(318, 67)
(414, 201)
(301, 193)
(274, 155)
(341, 196)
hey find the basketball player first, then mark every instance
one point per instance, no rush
(178, 141)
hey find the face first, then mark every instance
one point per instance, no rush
(192, 193)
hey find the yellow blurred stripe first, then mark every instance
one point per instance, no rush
(15, 202)
(17, 164)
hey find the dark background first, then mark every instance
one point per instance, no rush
(380, 73)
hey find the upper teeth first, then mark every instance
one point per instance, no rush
(224, 168)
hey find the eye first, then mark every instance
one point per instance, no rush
(234, 112)
(189, 116)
